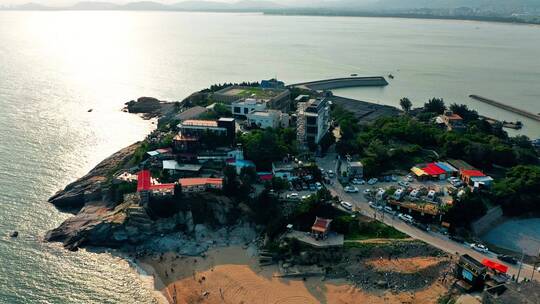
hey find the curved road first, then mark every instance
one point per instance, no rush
(435, 239)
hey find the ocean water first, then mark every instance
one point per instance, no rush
(55, 66)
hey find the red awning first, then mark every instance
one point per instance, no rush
(495, 266)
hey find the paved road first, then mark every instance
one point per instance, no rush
(435, 239)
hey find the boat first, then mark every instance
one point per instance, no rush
(354, 75)
(390, 76)
(90, 110)
(14, 234)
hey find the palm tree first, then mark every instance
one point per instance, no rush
(405, 104)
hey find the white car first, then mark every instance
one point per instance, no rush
(372, 181)
(479, 248)
(293, 195)
(346, 205)
(358, 181)
(330, 173)
(304, 197)
(406, 218)
(351, 189)
(318, 186)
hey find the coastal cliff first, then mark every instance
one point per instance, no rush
(89, 187)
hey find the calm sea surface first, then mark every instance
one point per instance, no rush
(54, 66)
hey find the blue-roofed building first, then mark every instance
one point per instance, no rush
(449, 169)
(272, 84)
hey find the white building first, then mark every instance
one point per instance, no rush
(241, 108)
(313, 120)
(268, 119)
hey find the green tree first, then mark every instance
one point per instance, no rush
(519, 192)
(435, 105)
(405, 104)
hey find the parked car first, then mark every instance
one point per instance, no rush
(410, 178)
(479, 248)
(389, 210)
(403, 184)
(304, 197)
(372, 181)
(318, 186)
(394, 178)
(351, 189)
(330, 173)
(346, 205)
(293, 195)
(406, 218)
(508, 259)
(375, 206)
(357, 181)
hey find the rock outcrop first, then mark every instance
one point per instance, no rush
(89, 187)
(149, 106)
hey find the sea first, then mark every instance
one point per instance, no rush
(55, 66)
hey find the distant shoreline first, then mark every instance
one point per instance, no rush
(330, 13)
(510, 20)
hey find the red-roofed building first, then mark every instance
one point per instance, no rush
(321, 227)
(452, 121)
(431, 170)
(144, 184)
(468, 175)
(200, 184)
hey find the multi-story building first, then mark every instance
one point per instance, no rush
(313, 120)
(274, 98)
(268, 119)
(195, 128)
(242, 107)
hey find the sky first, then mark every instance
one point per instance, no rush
(68, 2)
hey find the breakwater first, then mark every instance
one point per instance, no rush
(506, 107)
(346, 82)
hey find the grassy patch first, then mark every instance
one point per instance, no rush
(374, 230)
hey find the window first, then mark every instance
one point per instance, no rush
(246, 110)
(236, 109)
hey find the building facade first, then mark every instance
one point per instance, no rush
(243, 107)
(268, 119)
(313, 120)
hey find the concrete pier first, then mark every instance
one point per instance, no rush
(346, 82)
(506, 107)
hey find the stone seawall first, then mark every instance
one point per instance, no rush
(336, 83)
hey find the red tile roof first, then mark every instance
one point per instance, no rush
(321, 224)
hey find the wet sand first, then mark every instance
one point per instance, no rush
(230, 275)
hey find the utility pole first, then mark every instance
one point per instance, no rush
(520, 265)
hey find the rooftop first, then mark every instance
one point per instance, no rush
(200, 181)
(321, 224)
(255, 92)
(191, 113)
(472, 173)
(199, 123)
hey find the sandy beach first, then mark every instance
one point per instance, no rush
(231, 275)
